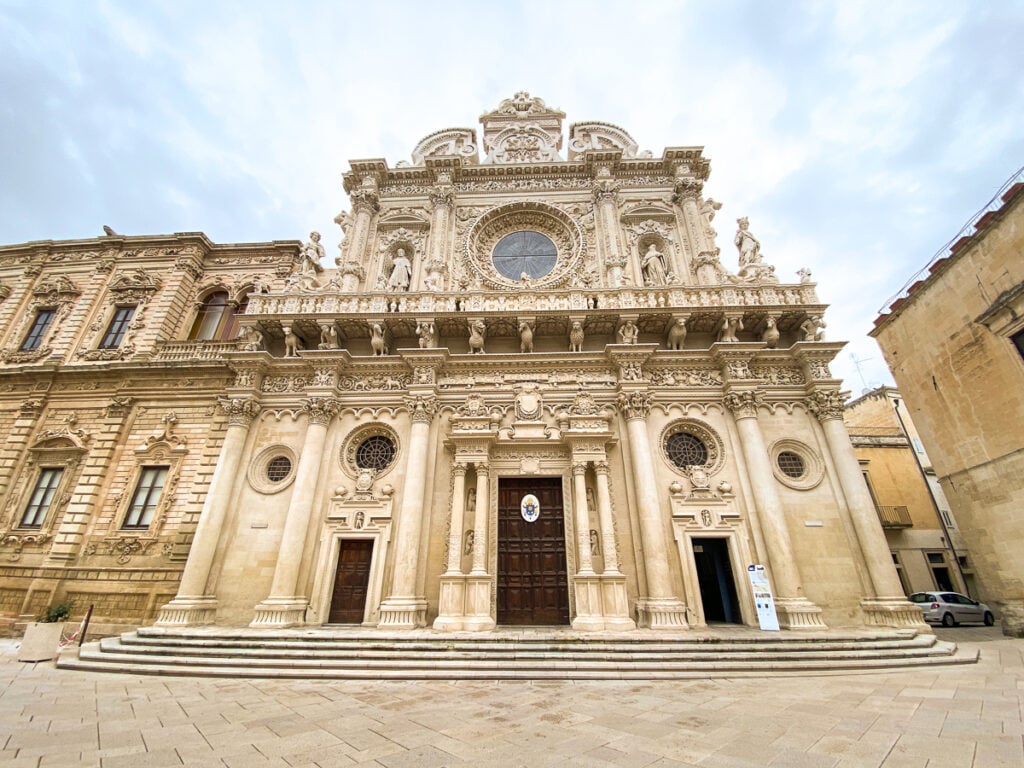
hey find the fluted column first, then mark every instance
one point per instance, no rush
(192, 604)
(604, 512)
(457, 513)
(795, 610)
(661, 609)
(442, 198)
(404, 609)
(687, 192)
(365, 203)
(606, 199)
(887, 606)
(579, 479)
(285, 607)
(480, 521)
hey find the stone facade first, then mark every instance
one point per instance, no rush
(955, 345)
(922, 534)
(530, 392)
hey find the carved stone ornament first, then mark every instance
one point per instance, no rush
(826, 404)
(529, 405)
(166, 435)
(67, 431)
(635, 405)
(457, 142)
(321, 410)
(240, 410)
(584, 404)
(599, 136)
(422, 407)
(744, 405)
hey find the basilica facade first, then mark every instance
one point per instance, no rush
(532, 390)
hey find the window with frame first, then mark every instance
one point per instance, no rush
(35, 335)
(118, 327)
(148, 491)
(42, 497)
(218, 318)
(1018, 342)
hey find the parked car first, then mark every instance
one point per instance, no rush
(950, 608)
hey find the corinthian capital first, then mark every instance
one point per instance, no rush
(606, 189)
(422, 407)
(320, 410)
(240, 410)
(442, 196)
(635, 405)
(825, 404)
(365, 199)
(744, 404)
(686, 189)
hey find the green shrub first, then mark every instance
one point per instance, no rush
(57, 612)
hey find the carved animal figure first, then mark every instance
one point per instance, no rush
(525, 337)
(576, 337)
(292, 345)
(377, 342)
(770, 335)
(477, 329)
(676, 335)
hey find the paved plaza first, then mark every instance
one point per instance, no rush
(951, 717)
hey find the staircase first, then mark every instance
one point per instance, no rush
(507, 654)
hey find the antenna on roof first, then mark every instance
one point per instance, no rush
(857, 363)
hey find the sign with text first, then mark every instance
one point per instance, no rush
(763, 599)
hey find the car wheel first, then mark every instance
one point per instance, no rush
(948, 620)
(989, 619)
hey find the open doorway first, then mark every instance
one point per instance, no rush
(717, 586)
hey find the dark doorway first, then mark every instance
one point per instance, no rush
(533, 585)
(348, 601)
(714, 574)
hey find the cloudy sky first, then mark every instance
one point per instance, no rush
(857, 136)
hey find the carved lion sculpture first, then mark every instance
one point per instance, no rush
(576, 337)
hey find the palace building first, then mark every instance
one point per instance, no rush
(531, 391)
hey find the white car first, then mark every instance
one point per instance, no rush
(951, 608)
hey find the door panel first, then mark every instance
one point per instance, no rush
(348, 601)
(533, 584)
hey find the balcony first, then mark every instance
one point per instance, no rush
(894, 517)
(194, 350)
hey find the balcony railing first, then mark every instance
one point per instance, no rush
(894, 517)
(193, 350)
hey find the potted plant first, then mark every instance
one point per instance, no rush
(42, 638)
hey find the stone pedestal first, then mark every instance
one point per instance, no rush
(478, 604)
(451, 603)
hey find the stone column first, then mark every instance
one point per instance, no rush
(285, 607)
(705, 266)
(404, 609)
(480, 521)
(604, 511)
(451, 604)
(365, 204)
(606, 191)
(888, 606)
(192, 604)
(794, 609)
(660, 608)
(579, 480)
(442, 198)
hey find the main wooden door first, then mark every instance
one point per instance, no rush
(533, 585)
(348, 601)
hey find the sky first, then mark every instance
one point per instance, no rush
(858, 137)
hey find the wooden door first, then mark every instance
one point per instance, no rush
(348, 601)
(533, 585)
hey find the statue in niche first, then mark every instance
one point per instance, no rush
(471, 499)
(525, 337)
(628, 332)
(576, 337)
(812, 329)
(401, 272)
(477, 332)
(467, 549)
(595, 544)
(428, 335)
(653, 265)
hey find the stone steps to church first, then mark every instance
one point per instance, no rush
(446, 657)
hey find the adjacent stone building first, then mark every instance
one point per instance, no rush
(927, 549)
(530, 392)
(955, 343)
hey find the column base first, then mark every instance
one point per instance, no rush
(662, 613)
(893, 612)
(478, 604)
(280, 613)
(798, 613)
(601, 603)
(188, 612)
(451, 606)
(403, 613)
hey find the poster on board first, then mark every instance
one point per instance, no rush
(763, 599)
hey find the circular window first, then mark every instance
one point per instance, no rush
(686, 450)
(795, 465)
(791, 464)
(273, 469)
(279, 468)
(525, 253)
(375, 452)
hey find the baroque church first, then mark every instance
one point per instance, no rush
(533, 390)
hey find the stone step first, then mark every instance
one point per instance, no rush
(505, 655)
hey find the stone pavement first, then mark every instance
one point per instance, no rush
(951, 717)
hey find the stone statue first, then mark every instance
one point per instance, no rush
(377, 342)
(428, 335)
(770, 335)
(309, 264)
(471, 499)
(728, 329)
(292, 345)
(477, 331)
(812, 329)
(401, 272)
(804, 274)
(653, 264)
(525, 337)
(252, 338)
(328, 336)
(628, 332)
(676, 335)
(748, 245)
(576, 337)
